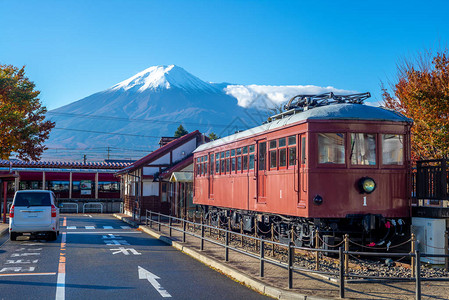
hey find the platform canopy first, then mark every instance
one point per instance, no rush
(181, 177)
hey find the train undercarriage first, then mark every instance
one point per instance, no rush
(366, 231)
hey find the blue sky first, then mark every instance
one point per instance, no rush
(72, 49)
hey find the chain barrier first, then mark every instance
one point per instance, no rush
(379, 248)
(441, 248)
(332, 246)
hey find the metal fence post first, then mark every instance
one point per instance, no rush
(202, 235)
(151, 220)
(227, 246)
(342, 272)
(418, 275)
(262, 255)
(272, 239)
(169, 225)
(412, 250)
(446, 250)
(346, 255)
(290, 266)
(159, 222)
(183, 230)
(317, 254)
(146, 217)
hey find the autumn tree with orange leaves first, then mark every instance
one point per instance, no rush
(23, 128)
(422, 94)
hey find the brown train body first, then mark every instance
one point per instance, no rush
(308, 170)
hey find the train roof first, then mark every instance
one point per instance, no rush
(337, 111)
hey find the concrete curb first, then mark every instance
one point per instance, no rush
(4, 231)
(231, 272)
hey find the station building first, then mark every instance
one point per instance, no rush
(70, 181)
(162, 181)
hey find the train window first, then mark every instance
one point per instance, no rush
(228, 165)
(217, 166)
(303, 150)
(282, 142)
(223, 165)
(363, 149)
(272, 144)
(205, 169)
(205, 157)
(251, 148)
(245, 163)
(233, 152)
(217, 156)
(392, 149)
(251, 162)
(262, 156)
(239, 163)
(198, 160)
(233, 164)
(239, 151)
(292, 156)
(331, 148)
(273, 163)
(222, 155)
(292, 140)
(227, 154)
(245, 149)
(283, 157)
(202, 158)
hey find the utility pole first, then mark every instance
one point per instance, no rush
(84, 158)
(109, 150)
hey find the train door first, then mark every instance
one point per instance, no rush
(261, 172)
(211, 176)
(302, 176)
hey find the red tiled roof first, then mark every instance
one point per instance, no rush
(160, 152)
(63, 164)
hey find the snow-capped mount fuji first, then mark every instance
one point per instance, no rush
(127, 120)
(131, 116)
(164, 77)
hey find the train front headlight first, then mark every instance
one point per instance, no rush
(367, 185)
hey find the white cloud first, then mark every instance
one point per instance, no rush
(263, 96)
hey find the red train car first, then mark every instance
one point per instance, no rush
(338, 166)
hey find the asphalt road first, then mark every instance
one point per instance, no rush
(100, 257)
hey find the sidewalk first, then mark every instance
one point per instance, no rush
(245, 270)
(4, 228)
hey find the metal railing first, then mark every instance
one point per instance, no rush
(342, 273)
(98, 204)
(64, 207)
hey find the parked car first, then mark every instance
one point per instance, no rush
(35, 212)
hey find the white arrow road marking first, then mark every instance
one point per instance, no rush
(144, 274)
(90, 227)
(125, 251)
(108, 227)
(111, 236)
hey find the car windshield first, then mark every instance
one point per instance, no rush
(32, 199)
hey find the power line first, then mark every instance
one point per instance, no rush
(111, 133)
(132, 119)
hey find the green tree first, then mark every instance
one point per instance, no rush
(180, 131)
(421, 92)
(23, 128)
(212, 136)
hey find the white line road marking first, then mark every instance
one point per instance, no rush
(125, 251)
(24, 254)
(111, 236)
(116, 242)
(144, 274)
(88, 216)
(17, 269)
(108, 227)
(60, 283)
(89, 227)
(27, 274)
(21, 261)
(71, 227)
(125, 227)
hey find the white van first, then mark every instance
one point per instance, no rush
(35, 212)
